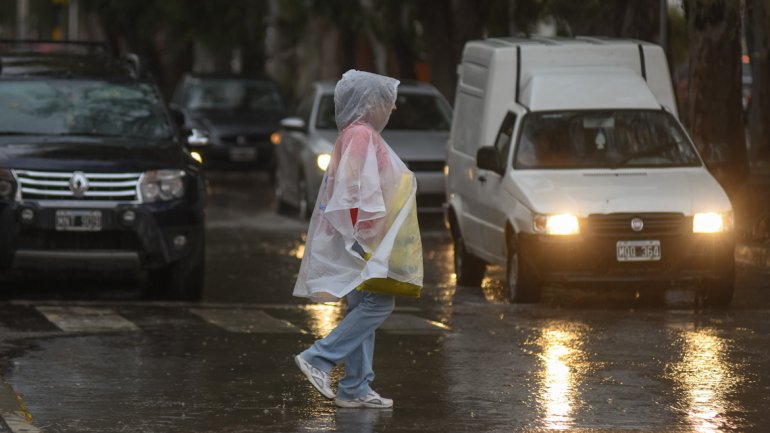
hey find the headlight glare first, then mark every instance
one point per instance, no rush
(562, 224)
(712, 222)
(323, 161)
(162, 185)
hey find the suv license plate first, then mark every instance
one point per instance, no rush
(638, 251)
(79, 220)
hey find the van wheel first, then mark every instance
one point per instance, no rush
(521, 284)
(719, 292)
(468, 268)
(183, 279)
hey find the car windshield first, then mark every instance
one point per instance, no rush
(603, 139)
(79, 107)
(414, 112)
(233, 95)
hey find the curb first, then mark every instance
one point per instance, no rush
(754, 255)
(14, 416)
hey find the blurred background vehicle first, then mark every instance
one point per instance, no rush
(93, 174)
(417, 132)
(231, 118)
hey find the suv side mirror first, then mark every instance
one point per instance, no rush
(488, 158)
(294, 124)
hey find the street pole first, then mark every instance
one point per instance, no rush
(664, 24)
(22, 19)
(72, 21)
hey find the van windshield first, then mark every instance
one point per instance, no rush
(603, 139)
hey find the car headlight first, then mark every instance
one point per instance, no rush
(7, 184)
(562, 224)
(323, 160)
(712, 222)
(162, 185)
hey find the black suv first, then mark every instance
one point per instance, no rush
(93, 173)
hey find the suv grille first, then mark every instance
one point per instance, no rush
(51, 185)
(655, 224)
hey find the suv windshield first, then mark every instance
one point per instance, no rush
(233, 95)
(603, 139)
(78, 107)
(414, 111)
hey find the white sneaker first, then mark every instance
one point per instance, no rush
(319, 379)
(371, 400)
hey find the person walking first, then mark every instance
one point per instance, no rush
(363, 240)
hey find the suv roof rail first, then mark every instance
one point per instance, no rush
(81, 48)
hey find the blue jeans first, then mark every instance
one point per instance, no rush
(352, 342)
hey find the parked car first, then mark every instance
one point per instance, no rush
(568, 166)
(93, 174)
(417, 132)
(232, 119)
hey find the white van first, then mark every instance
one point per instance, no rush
(567, 165)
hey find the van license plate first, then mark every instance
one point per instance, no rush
(638, 251)
(79, 220)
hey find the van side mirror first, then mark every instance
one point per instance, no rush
(294, 124)
(488, 158)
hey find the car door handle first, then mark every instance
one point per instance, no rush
(482, 178)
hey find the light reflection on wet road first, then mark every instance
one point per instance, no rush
(588, 361)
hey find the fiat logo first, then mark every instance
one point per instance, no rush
(78, 184)
(637, 224)
(241, 139)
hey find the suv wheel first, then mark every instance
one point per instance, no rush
(521, 284)
(719, 292)
(468, 268)
(183, 279)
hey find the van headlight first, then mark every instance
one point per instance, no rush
(712, 222)
(161, 185)
(562, 224)
(322, 161)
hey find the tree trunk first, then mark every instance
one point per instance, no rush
(436, 17)
(714, 104)
(758, 38)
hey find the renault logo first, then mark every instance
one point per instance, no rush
(637, 224)
(78, 184)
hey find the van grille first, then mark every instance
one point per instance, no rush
(655, 224)
(51, 185)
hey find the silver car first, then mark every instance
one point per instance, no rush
(417, 131)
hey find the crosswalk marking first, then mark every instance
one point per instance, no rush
(237, 319)
(399, 323)
(246, 321)
(85, 319)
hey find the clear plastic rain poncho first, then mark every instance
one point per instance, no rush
(382, 251)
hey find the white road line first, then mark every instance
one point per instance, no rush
(85, 319)
(246, 321)
(412, 325)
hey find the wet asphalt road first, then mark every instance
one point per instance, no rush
(88, 354)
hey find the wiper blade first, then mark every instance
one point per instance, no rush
(646, 152)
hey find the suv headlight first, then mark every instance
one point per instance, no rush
(162, 185)
(712, 222)
(562, 224)
(7, 184)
